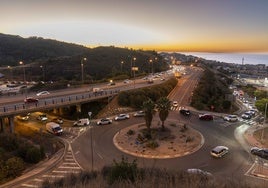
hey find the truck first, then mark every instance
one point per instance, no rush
(54, 128)
(82, 122)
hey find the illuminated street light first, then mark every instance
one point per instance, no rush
(11, 73)
(122, 62)
(24, 78)
(82, 69)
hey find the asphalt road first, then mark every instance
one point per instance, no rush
(103, 151)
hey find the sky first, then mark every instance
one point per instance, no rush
(161, 25)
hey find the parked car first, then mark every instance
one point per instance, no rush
(24, 117)
(262, 153)
(231, 118)
(104, 121)
(139, 114)
(219, 151)
(43, 93)
(198, 172)
(30, 100)
(121, 117)
(42, 117)
(184, 111)
(207, 117)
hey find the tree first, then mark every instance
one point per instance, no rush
(163, 106)
(148, 107)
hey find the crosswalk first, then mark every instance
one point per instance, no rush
(67, 166)
(250, 122)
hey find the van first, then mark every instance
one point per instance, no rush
(82, 122)
(54, 128)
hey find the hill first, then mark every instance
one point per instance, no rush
(51, 60)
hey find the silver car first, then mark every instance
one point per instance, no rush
(219, 151)
(121, 117)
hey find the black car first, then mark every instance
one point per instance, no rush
(262, 153)
(185, 111)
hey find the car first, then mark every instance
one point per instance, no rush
(246, 116)
(104, 121)
(121, 117)
(175, 103)
(230, 118)
(82, 122)
(260, 152)
(198, 172)
(58, 120)
(127, 81)
(139, 114)
(42, 117)
(219, 151)
(42, 93)
(252, 112)
(24, 117)
(207, 117)
(29, 100)
(111, 84)
(184, 111)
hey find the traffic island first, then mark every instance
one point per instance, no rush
(175, 140)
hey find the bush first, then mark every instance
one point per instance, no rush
(33, 155)
(130, 132)
(152, 144)
(14, 167)
(123, 171)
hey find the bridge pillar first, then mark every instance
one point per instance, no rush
(78, 108)
(55, 111)
(1, 125)
(11, 124)
(61, 111)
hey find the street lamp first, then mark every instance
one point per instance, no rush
(151, 62)
(11, 73)
(122, 62)
(21, 63)
(82, 68)
(43, 72)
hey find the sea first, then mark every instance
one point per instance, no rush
(236, 58)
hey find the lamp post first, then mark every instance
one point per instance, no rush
(82, 69)
(134, 70)
(24, 78)
(43, 72)
(122, 62)
(11, 73)
(151, 62)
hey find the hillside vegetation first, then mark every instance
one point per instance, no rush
(51, 60)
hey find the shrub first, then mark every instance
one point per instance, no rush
(130, 132)
(33, 155)
(123, 171)
(14, 167)
(152, 144)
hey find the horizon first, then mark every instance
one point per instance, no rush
(185, 26)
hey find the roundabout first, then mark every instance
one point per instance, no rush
(176, 140)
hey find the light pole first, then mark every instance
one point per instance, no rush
(24, 79)
(43, 72)
(122, 62)
(134, 69)
(82, 69)
(11, 73)
(151, 62)
(265, 111)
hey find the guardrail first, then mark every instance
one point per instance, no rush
(50, 103)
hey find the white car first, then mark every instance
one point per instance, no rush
(231, 118)
(219, 151)
(43, 93)
(104, 121)
(139, 114)
(121, 117)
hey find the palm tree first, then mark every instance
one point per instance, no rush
(163, 106)
(148, 107)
